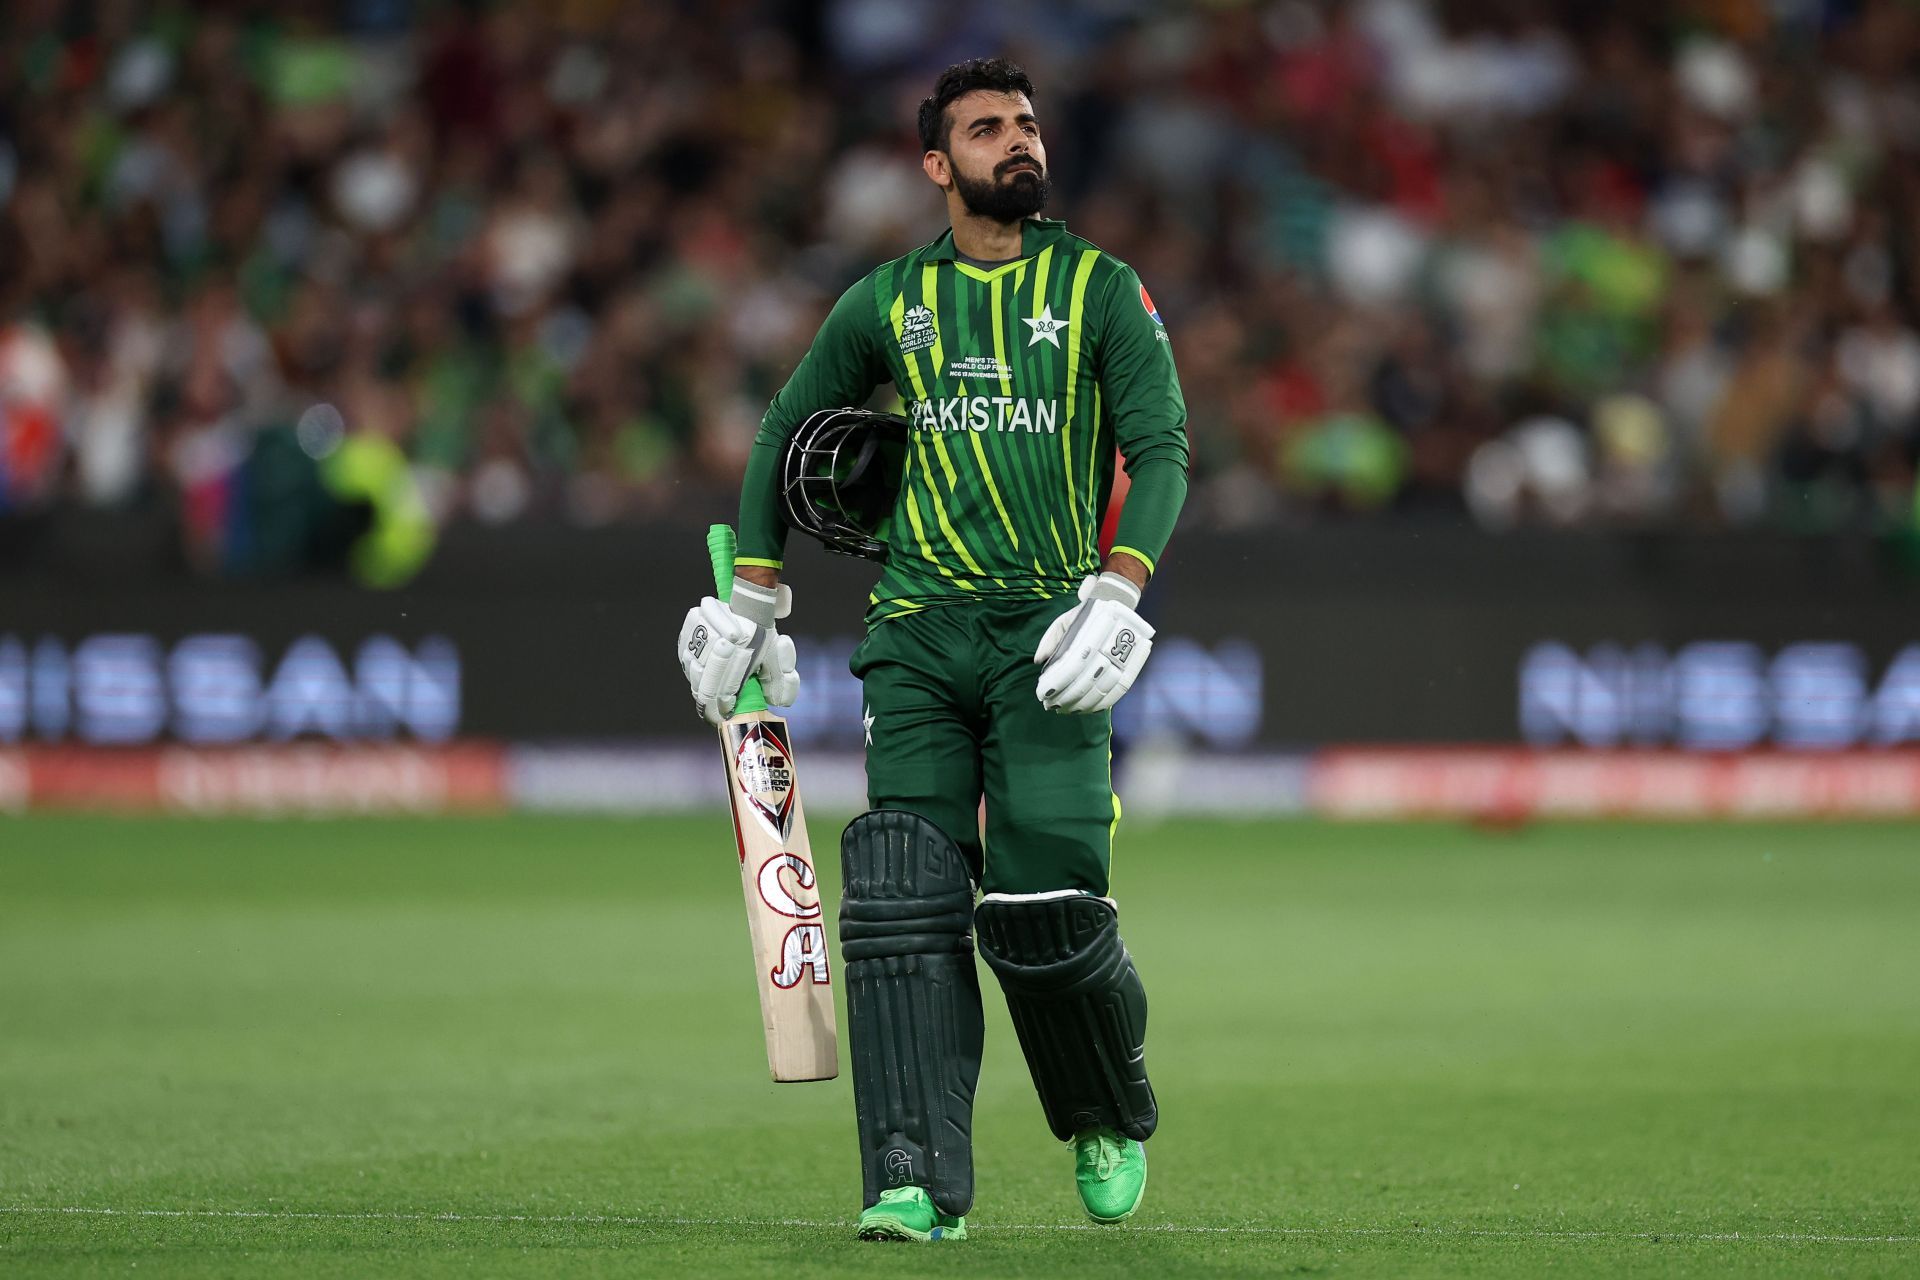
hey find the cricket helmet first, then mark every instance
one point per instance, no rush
(839, 476)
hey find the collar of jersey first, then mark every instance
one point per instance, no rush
(1035, 234)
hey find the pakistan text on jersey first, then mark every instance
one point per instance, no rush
(986, 413)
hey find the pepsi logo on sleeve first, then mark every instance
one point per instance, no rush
(1146, 300)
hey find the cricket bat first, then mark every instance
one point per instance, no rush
(784, 915)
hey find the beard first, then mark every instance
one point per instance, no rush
(1012, 192)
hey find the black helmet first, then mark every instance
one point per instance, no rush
(839, 477)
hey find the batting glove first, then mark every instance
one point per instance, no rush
(721, 644)
(1093, 652)
(762, 606)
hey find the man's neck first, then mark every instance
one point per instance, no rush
(986, 239)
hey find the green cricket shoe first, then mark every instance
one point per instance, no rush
(1111, 1172)
(908, 1213)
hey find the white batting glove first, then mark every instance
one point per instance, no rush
(763, 606)
(1093, 652)
(722, 644)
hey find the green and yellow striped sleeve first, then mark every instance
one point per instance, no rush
(842, 367)
(1139, 382)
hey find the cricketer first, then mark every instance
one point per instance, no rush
(997, 643)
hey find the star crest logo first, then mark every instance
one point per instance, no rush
(1045, 327)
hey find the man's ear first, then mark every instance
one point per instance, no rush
(937, 168)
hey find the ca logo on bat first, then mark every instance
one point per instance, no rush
(803, 953)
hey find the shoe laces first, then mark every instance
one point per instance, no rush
(1108, 1151)
(898, 1195)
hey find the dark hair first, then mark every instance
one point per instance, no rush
(996, 75)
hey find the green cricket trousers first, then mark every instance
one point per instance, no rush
(951, 715)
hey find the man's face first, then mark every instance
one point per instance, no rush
(994, 157)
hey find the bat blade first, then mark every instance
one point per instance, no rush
(785, 916)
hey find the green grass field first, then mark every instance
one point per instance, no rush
(530, 1047)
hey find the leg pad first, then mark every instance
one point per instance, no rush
(913, 1005)
(1078, 1005)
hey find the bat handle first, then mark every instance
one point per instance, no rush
(721, 546)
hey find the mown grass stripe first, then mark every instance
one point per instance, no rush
(816, 1224)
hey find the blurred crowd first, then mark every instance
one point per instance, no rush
(1640, 264)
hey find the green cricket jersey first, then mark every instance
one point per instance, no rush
(1020, 380)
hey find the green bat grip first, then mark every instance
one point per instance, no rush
(720, 549)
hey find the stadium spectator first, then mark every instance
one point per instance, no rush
(1528, 263)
